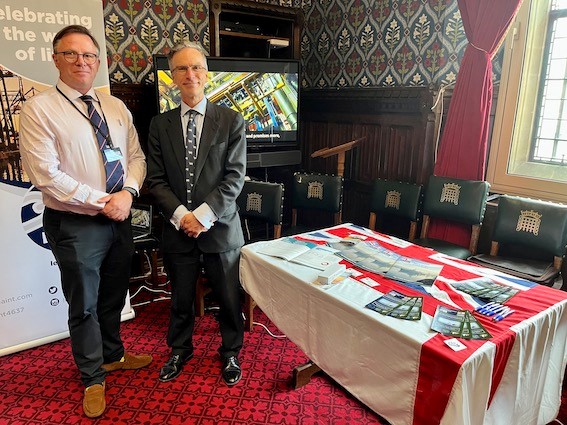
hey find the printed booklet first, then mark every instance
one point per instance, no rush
(487, 289)
(458, 323)
(375, 258)
(396, 304)
(301, 252)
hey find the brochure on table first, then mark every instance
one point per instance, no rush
(301, 252)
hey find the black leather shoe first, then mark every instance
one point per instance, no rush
(231, 371)
(173, 367)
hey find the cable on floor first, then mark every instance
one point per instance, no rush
(216, 308)
(146, 276)
(150, 301)
(247, 228)
(155, 291)
(267, 330)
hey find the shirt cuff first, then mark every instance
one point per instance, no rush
(178, 214)
(91, 198)
(205, 215)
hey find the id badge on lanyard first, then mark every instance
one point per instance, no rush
(112, 154)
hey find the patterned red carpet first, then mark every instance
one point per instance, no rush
(41, 385)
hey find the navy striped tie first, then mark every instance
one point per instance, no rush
(114, 169)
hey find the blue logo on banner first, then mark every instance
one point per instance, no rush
(32, 217)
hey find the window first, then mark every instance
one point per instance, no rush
(550, 140)
(528, 153)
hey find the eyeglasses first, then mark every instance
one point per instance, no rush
(183, 69)
(72, 57)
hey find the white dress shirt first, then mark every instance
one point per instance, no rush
(203, 213)
(60, 152)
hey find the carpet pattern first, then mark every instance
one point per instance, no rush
(42, 386)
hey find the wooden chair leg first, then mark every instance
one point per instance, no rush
(249, 305)
(277, 231)
(293, 217)
(475, 235)
(424, 226)
(372, 221)
(494, 246)
(200, 293)
(412, 231)
(154, 265)
(338, 218)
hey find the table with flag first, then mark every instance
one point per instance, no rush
(402, 369)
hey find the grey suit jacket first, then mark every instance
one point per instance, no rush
(219, 176)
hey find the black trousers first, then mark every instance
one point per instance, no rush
(94, 255)
(222, 275)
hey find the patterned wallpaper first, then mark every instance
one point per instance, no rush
(137, 29)
(391, 43)
(345, 43)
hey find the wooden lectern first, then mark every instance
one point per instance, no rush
(340, 151)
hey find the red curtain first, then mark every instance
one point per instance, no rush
(462, 150)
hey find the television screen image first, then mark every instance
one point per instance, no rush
(268, 101)
(264, 91)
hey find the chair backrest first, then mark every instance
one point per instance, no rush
(460, 201)
(397, 198)
(463, 201)
(539, 226)
(262, 201)
(141, 221)
(323, 192)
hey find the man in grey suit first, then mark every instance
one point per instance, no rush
(196, 166)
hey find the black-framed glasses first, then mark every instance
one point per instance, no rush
(72, 57)
(184, 68)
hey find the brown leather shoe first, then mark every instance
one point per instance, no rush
(94, 401)
(129, 362)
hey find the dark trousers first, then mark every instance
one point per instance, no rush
(221, 270)
(94, 255)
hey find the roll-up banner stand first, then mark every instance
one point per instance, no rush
(33, 310)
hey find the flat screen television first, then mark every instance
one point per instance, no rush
(264, 91)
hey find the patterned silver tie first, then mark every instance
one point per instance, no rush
(190, 155)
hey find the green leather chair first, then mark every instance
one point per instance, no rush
(315, 193)
(262, 201)
(529, 239)
(394, 198)
(454, 200)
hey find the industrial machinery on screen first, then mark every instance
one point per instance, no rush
(267, 101)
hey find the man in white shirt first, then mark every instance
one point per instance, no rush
(80, 149)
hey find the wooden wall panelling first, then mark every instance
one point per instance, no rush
(355, 202)
(321, 135)
(141, 101)
(398, 125)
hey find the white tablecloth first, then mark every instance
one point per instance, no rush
(377, 358)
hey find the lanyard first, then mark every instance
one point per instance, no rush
(107, 136)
